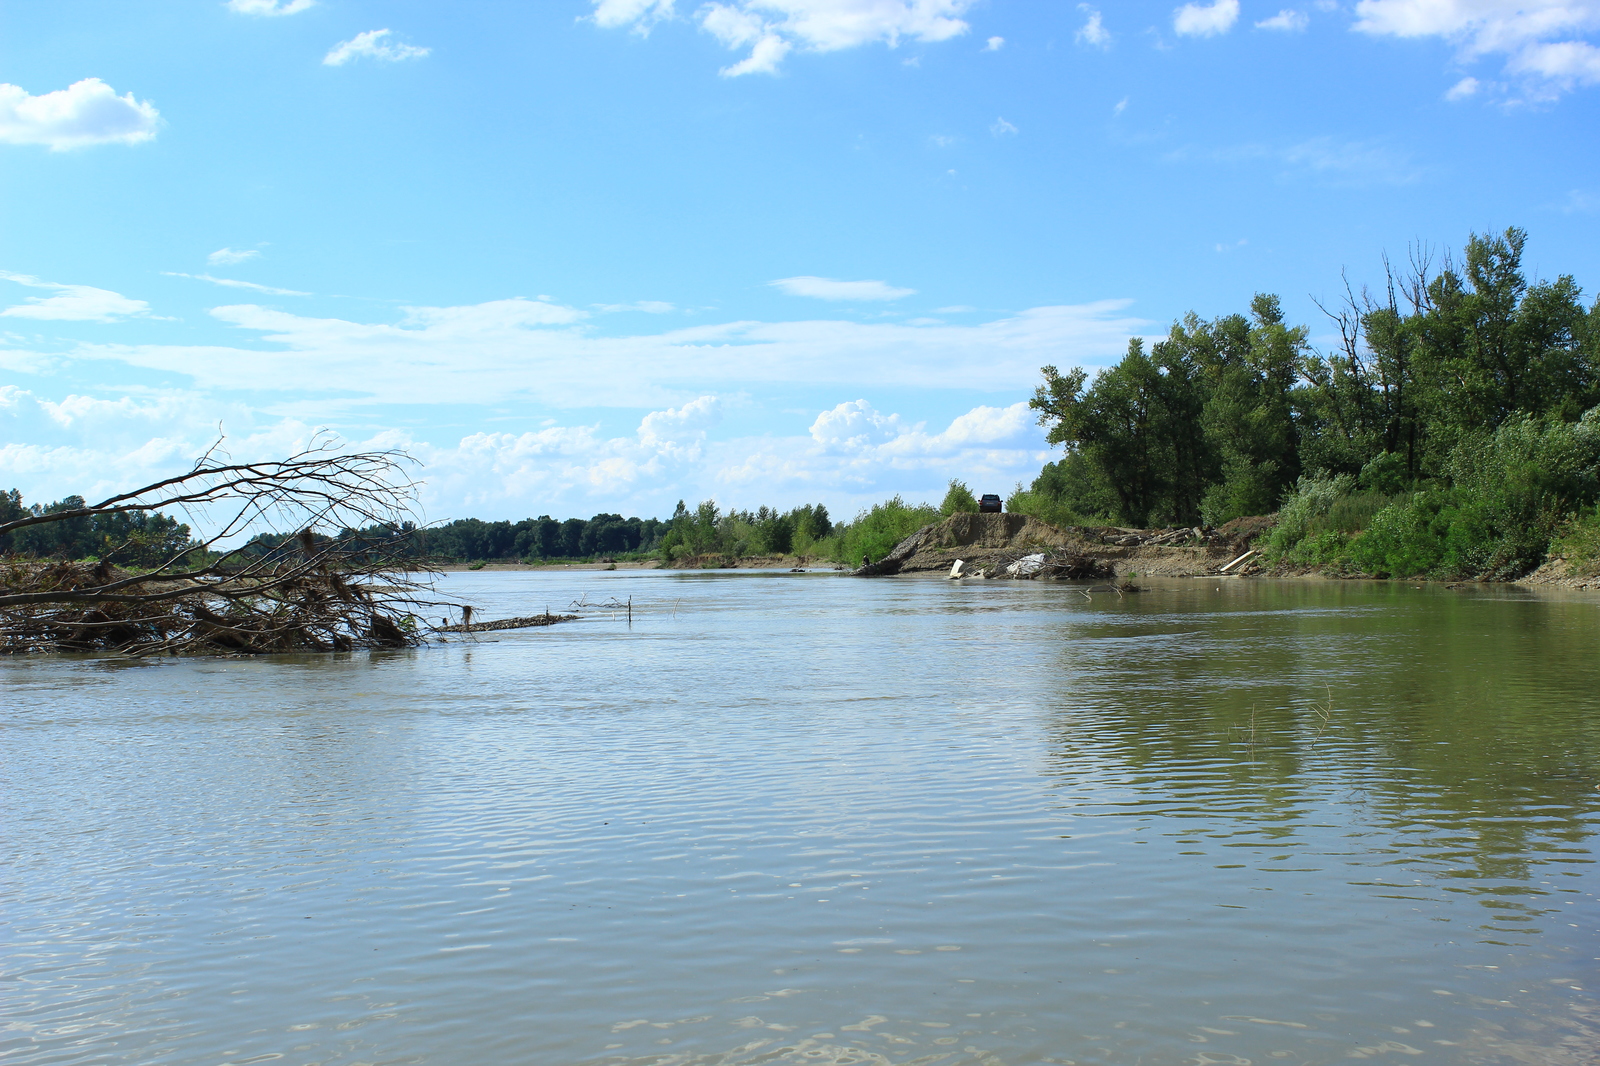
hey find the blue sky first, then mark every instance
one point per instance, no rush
(583, 257)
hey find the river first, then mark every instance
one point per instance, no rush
(783, 818)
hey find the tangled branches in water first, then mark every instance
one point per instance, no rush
(299, 593)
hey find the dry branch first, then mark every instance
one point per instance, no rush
(311, 593)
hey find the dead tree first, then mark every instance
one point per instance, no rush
(221, 593)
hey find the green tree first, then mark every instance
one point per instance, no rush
(958, 499)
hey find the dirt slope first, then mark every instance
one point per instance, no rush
(985, 540)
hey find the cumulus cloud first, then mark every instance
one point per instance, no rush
(1462, 89)
(1205, 20)
(72, 303)
(1001, 128)
(994, 44)
(858, 449)
(853, 454)
(1288, 20)
(1542, 40)
(854, 426)
(771, 29)
(85, 113)
(1093, 31)
(678, 432)
(234, 283)
(371, 45)
(228, 257)
(830, 289)
(269, 7)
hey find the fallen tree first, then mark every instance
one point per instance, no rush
(311, 593)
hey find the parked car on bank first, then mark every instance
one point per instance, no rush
(989, 504)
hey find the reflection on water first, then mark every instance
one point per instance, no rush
(810, 819)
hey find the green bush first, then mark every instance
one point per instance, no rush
(1047, 508)
(1579, 543)
(875, 532)
(1511, 491)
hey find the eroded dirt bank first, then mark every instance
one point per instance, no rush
(989, 543)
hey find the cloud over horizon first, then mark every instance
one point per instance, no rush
(831, 289)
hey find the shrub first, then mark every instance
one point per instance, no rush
(1579, 543)
(875, 532)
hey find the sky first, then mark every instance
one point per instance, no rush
(584, 256)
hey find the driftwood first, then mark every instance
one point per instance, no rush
(1055, 565)
(507, 623)
(311, 593)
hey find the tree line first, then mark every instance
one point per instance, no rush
(125, 538)
(1457, 418)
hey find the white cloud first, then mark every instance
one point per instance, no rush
(856, 448)
(72, 303)
(269, 7)
(234, 283)
(1205, 20)
(1001, 128)
(853, 455)
(1093, 31)
(1563, 65)
(372, 45)
(829, 289)
(1541, 39)
(1462, 89)
(522, 351)
(773, 28)
(678, 432)
(1121, 106)
(764, 57)
(640, 14)
(994, 44)
(228, 257)
(1287, 20)
(85, 113)
(854, 426)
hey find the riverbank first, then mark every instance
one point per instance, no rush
(988, 545)
(699, 562)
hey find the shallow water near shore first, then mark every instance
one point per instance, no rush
(816, 819)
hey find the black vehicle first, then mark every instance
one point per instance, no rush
(990, 504)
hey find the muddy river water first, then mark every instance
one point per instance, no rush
(813, 819)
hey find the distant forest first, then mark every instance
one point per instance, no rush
(141, 539)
